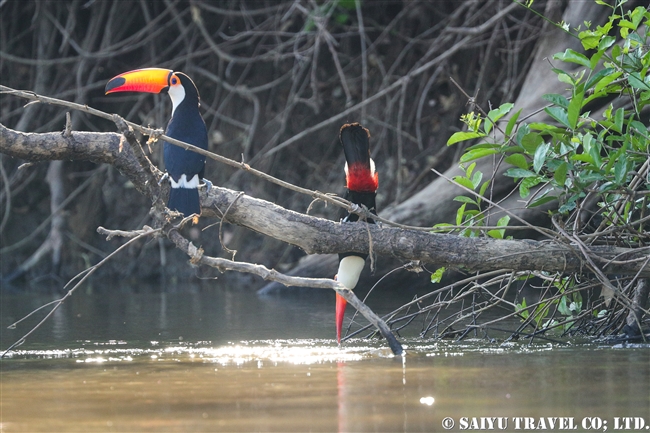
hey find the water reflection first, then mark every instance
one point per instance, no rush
(243, 364)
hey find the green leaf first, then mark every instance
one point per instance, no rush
(518, 160)
(459, 214)
(521, 309)
(560, 173)
(605, 43)
(575, 106)
(464, 182)
(559, 114)
(594, 79)
(500, 233)
(637, 15)
(566, 79)
(496, 114)
(470, 170)
(563, 307)
(607, 80)
(572, 56)
(442, 228)
(593, 62)
(512, 122)
(594, 152)
(476, 179)
(637, 82)
(484, 188)
(436, 277)
(545, 127)
(567, 207)
(542, 201)
(556, 99)
(583, 157)
(618, 120)
(590, 39)
(636, 40)
(484, 146)
(639, 129)
(496, 234)
(626, 24)
(465, 199)
(521, 131)
(540, 156)
(519, 173)
(463, 136)
(620, 169)
(477, 153)
(531, 141)
(526, 184)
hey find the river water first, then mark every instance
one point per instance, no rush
(227, 360)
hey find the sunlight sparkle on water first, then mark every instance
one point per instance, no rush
(290, 352)
(260, 352)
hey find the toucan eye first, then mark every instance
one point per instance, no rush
(174, 81)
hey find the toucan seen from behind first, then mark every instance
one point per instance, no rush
(185, 168)
(361, 182)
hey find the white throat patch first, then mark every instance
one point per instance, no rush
(177, 94)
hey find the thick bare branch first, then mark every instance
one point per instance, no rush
(321, 236)
(98, 147)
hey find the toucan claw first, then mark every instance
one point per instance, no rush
(163, 178)
(208, 185)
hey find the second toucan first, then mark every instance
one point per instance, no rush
(185, 168)
(361, 181)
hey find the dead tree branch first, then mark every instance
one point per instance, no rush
(320, 236)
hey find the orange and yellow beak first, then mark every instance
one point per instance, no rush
(150, 80)
(340, 313)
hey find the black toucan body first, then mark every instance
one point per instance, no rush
(184, 167)
(362, 182)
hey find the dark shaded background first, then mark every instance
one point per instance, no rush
(266, 71)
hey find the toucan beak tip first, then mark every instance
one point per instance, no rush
(112, 85)
(341, 303)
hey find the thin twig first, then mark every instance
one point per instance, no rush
(69, 293)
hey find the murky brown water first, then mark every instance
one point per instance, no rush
(227, 361)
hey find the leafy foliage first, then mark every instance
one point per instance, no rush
(579, 153)
(594, 165)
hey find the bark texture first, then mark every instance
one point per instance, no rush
(321, 236)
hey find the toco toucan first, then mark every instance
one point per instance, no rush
(185, 168)
(361, 182)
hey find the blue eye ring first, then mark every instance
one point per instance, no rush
(174, 80)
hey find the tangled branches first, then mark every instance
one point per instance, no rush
(277, 79)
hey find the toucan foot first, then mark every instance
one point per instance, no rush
(208, 185)
(163, 178)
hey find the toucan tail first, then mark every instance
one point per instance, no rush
(184, 200)
(360, 174)
(356, 145)
(341, 303)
